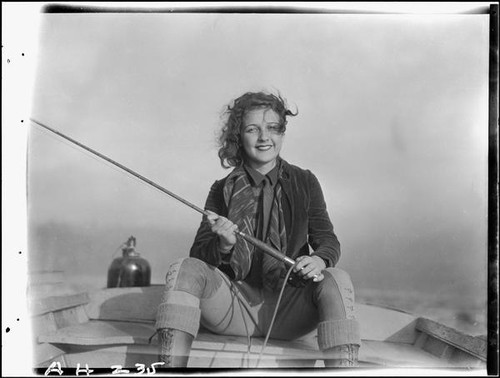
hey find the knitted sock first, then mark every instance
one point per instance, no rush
(338, 332)
(180, 317)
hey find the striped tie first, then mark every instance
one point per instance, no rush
(276, 235)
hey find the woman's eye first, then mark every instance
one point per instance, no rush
(275, 129)
(251, 130)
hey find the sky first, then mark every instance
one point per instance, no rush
(393, 120)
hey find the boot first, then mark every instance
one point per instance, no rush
(174, 347)
(342, 356)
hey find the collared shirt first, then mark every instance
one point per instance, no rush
(257, 177)
(266, 197)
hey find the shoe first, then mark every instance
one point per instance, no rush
(342, 356)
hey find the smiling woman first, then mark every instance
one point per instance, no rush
(283, 206)
(267, 112)
(256, 122)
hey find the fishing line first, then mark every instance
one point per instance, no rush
(271, 324)
(274, 316)
(249, 338)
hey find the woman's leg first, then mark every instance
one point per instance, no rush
(194, 292)
(328, 306)
(338, 330)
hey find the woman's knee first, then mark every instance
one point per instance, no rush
(336, 281)
(341, 277)
(335, 295)
(193, 276)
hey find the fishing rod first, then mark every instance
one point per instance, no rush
(252, 240)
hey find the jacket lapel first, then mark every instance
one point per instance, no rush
(287, 199)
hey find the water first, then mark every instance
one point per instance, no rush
(465, 314)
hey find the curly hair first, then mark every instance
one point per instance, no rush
(231, 152)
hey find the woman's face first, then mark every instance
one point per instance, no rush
(261, 137)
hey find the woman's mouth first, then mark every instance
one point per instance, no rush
(264, 147)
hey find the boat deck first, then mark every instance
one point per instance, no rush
(111, 338)
(115, 327)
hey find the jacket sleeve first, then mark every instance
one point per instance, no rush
(205, 245)
(321, 237)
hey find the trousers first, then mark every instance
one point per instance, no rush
(197, 293)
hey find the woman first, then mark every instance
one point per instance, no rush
(232, 287)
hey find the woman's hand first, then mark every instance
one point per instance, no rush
(225, 229)
(310, 267)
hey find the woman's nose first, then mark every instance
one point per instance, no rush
(264, 134)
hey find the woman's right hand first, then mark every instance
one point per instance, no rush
(224, 228)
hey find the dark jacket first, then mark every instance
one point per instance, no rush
(307, 221)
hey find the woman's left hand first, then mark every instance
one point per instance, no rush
(310, 267)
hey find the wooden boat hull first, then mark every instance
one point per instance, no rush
(115, 327)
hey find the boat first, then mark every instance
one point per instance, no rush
(112, 329)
